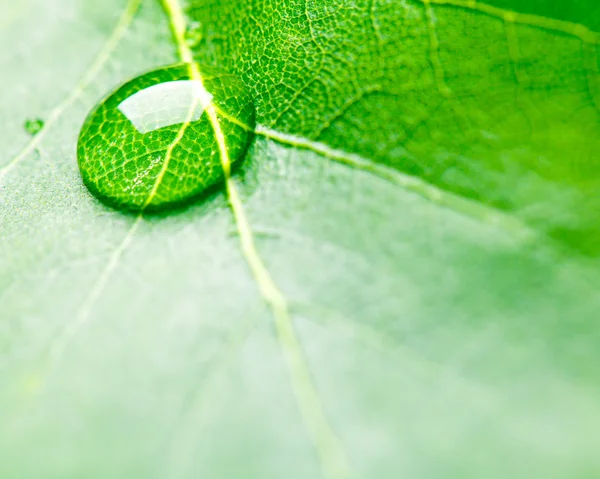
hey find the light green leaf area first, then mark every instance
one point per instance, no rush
(407, 286)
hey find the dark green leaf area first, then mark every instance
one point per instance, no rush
(150, 145)
(499, 108)
(585, 12)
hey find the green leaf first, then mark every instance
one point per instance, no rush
(401, 280)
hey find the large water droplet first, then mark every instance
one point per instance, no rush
(151, 145)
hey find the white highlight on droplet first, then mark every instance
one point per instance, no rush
(166, 104)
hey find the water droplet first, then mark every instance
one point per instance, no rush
(150, 145)
(193, 34)
(33, 126)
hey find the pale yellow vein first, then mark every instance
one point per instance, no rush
(328, 447)
(414, 184)
(410, 183)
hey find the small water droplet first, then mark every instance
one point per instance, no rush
(150, 144)
(33, 125)
(193, 34)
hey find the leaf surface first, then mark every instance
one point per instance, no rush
(422, 190)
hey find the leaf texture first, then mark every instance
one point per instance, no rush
(422, 193)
